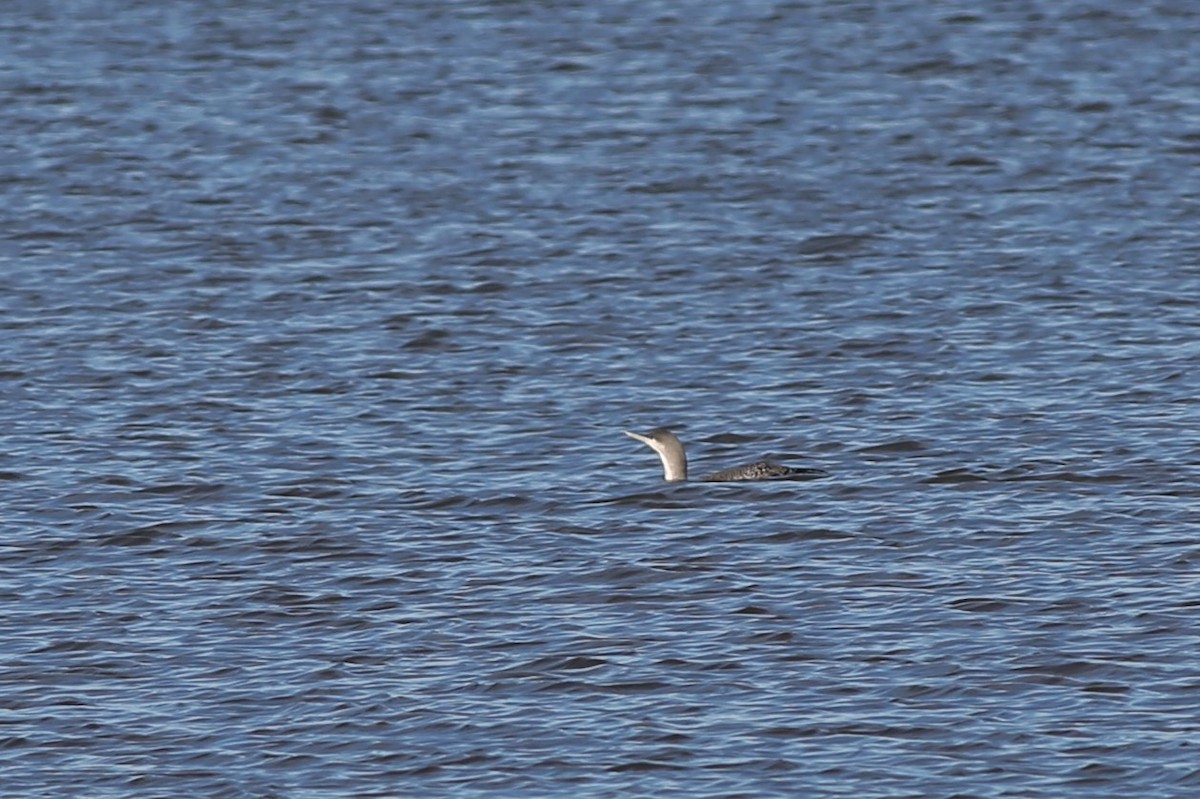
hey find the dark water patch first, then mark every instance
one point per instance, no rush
(987, 605)
(957, 476)
(830, 245)
(893, 447)
(793, 536)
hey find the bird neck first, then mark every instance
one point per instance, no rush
(674, 463)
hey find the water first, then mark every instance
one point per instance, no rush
(320, 325)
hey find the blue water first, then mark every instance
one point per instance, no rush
(320, 323)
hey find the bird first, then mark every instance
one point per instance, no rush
(674, 461)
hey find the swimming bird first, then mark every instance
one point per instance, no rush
(674, 462)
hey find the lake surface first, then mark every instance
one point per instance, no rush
(320, 323)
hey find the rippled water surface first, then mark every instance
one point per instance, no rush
(320, 322)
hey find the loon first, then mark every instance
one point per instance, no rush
(674, 462)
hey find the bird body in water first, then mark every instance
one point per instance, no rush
(674, 461)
